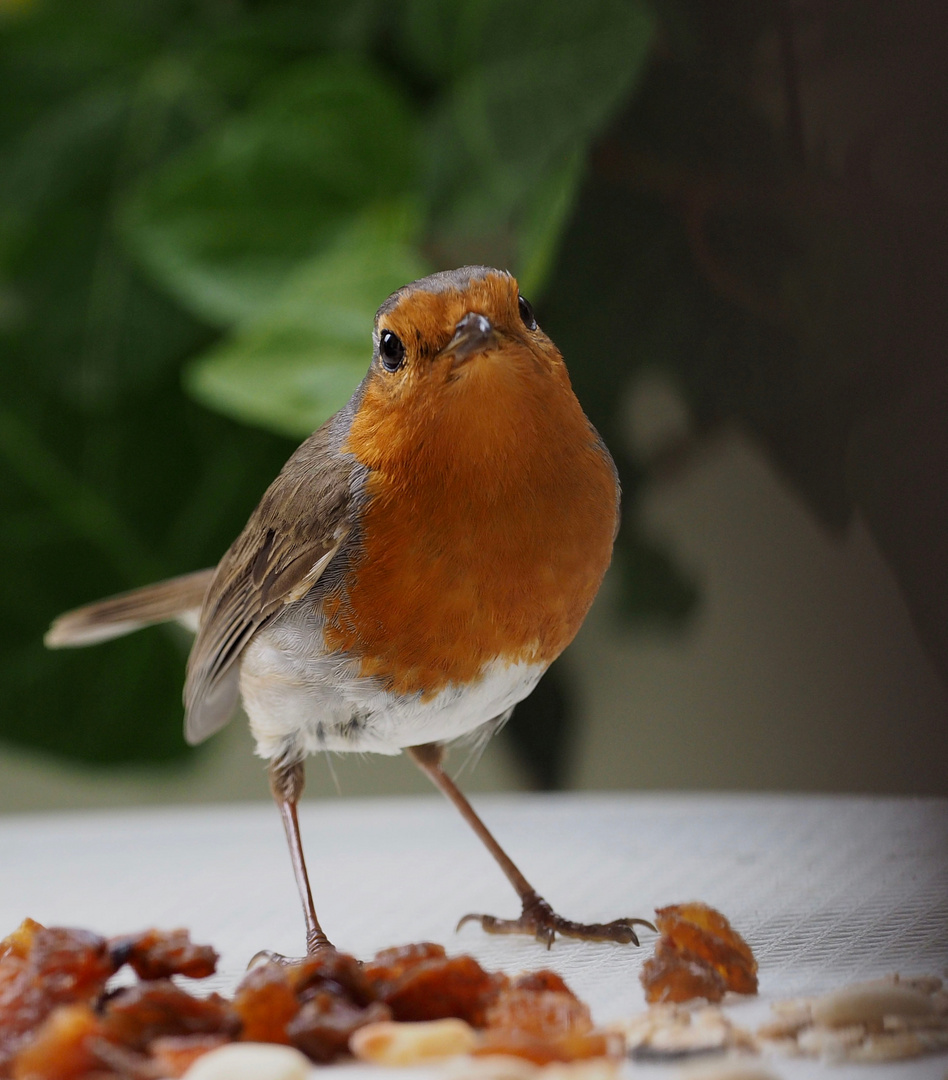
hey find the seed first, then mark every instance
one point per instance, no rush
(868, 1003)
(391, 1043)
(250, 1061)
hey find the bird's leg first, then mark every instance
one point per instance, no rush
(537, 917)
(286, 784)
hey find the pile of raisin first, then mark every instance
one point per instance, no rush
(60, 1020)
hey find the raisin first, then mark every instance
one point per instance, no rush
(60, 1049)
(541, 980)
(322, 1027)
(265, 1003)
(539, 1012)
(159, 954)
(439, 987)
(20, 942)
(676, 975)
(390, 965)
(136, 1015)
(41, 968)
(335, 971)
(706, 934)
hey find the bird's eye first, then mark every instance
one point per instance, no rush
(526, 313)
(391, 350)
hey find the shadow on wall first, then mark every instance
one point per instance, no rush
(801, 669)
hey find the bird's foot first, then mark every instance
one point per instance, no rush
(316, 945)
(540, 920)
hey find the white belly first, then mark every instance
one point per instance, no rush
(300, 700)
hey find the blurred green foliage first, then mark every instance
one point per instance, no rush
(203, 203)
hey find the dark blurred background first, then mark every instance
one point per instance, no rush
(732, 217)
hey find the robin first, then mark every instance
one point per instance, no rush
(416, 566)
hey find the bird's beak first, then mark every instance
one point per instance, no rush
(473, 334)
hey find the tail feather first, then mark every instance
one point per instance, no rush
(177, 598)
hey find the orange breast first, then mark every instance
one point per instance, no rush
(488, 528)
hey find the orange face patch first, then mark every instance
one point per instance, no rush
(482, 537)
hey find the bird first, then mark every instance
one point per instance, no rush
(413, 570)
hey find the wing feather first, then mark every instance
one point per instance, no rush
(178, 598)
(290, 539)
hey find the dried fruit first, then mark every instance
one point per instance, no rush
(40, 969)
(539, 1012)
(63, 1047)
(265, 1003)
(422, 983)
(541, 1025)
(332, 970)
(390, 964)
(676, 975)
(157, 954)
(20, 941)
(137, 1015)
(541, 980)
(699, 955)
(324, 1024)
(707, 934)
(58, 1019)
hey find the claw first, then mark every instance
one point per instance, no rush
(540, 920)
(492, 925)
(268, 956)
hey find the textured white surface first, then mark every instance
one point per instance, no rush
(827, 890)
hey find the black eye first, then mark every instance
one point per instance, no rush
(526, 313)
(391, 350)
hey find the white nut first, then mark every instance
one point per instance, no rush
(492, 1067)
(891, 1046)
(927, 984)
(506, 1067)
(868, 1003)
(391, 1043)
(834, 1044)
(788, 1018)
(727, 1070)
(932, 1021)
(785, 1047)
(587, 1069)
(250, 1061)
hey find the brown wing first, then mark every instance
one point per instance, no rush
(286, 545)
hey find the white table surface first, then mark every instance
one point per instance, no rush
(827, 890)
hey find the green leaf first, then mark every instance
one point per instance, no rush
(222, 224)
(520, 111)
(93, 505)
(542, 83)
(543, 224)
(299, 360)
